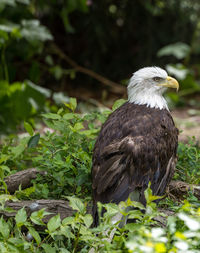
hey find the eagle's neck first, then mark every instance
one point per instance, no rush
(147, 97)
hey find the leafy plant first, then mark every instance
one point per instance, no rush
(20, 102)
(179, 50)
(64, 151)
(74, 233)
(188, 165)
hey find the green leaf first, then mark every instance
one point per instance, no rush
(4, 158)
(179, 50)
(37, 92)
(90, 133)
(54, 223)
(118, 103)
(16, 242)
(21, 217)
(48, 249)
(60, 111)
(78, 126)
(148, 195)
(76, 204)
(4, 228)
(87, 220)
(7, 197)
(112, 209)
(135, 214)
(133, 203)
(5, 168)
(35, 235)
(51, 116)
(33, 142)
(73, 103)
(68, 116)
(68, 220)
(60, 98)
(57, 71)
(28, 128)
(32, 30)
(36, 217)
(178, 70)
(18, 150)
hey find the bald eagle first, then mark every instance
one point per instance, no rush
(137, 144)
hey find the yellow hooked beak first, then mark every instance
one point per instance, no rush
(170, 82)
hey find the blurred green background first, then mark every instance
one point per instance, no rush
(53, 50)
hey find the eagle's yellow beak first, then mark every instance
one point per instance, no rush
(170, 82)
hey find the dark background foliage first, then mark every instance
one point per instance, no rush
(114, 38)
(43, 42)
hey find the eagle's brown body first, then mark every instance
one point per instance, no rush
(136, 145)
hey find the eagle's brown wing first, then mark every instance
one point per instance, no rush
(136, 145)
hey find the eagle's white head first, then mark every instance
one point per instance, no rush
(147, 85)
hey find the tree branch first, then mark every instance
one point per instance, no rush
(22, 178)
(178, 189)
(116, 87)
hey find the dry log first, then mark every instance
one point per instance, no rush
(178, 189)
(22, 178)
(51, 205)
(59, 206)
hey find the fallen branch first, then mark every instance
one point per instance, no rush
(116, 87)
(22, 178)
(62, 207)
(51, 205)
(178, 189)
(58, 207)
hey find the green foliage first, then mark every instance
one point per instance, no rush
(64, 152)
(27, 26)
(20, 102)
(188, 165)
(179, 50)
(118, 103)
(74, 233)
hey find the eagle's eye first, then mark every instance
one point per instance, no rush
(157, 78)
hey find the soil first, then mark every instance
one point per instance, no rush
(188, 123)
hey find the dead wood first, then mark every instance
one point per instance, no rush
(61, 207)
(51, 205)
(22, 178)
(178, 189)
